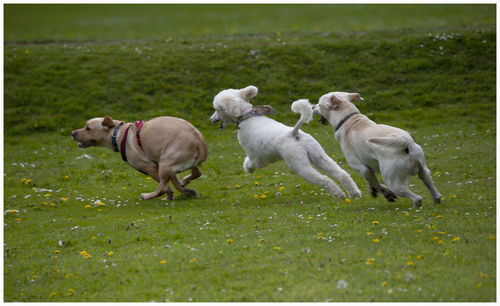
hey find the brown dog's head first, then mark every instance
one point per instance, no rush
(333, 106)
(96, 132)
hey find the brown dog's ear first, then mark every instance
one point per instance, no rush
(354, 97)
(108, 122)
(335, 103)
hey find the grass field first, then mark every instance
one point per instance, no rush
(75, 229)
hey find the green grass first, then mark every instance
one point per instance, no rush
(227, 245)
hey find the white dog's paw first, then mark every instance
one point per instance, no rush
(356, 194)
(247, 165)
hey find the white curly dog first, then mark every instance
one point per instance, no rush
(370, 147)
(266, 140)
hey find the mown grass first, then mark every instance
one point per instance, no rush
(75, 229)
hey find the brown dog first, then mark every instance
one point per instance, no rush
(160, 147)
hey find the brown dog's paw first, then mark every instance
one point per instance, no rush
(190, 192)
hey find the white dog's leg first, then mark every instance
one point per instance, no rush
(247, 165)
(303, 168)
(251, 164)
(325, 163)
(424, 175)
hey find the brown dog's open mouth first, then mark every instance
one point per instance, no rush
(86, 144)
(323, 120)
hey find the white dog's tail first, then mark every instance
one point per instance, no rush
(304, 108)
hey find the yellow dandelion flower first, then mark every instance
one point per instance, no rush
(263, 196)
(410, 263)
(384, 284)
(261, 240)
(282, 188)
(453, 196)
(376, 240)
(230, 241)
(100, 203)
(276, 248)
(163, 262)
(440, 241)
(229, 187)
(93, 237)
(256, 183)
(71, 290)
(87, 206)
(435, 238)
(479, 285)
(369, 233)
(255, 196)
(441, 233)
(237, 186)
(398, 276)
(57, 251)
(64, 199)
(446, 253)
(420, 256)
(110, 253)
(375, 222)
(455, 239)
(124, 187)
(148, 178)
(52, 294)
(492, 237)
(66, 177)
(347, 200)
(439, 216)
(309, 218)
(437, 173)
(100, 209)
(192, 260)
(48, 195)
(69, 275)
(27, 181)
(23, 179)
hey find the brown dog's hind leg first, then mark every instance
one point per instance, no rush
(195, 173)
(164, 176)
(181, 188)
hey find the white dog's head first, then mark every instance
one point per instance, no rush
(230, 104)
(334, 106)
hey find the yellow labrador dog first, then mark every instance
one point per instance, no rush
(369, 147)
(160, 147)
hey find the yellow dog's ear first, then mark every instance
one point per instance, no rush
(335, 102)
(354, 97)
(108, 122)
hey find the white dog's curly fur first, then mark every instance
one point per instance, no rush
(266, 141)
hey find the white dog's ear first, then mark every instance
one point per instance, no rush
(249, 92)
(354, 97)
(335, 102)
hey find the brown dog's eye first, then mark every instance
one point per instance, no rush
(87, 128)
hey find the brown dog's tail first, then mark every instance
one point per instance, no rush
(202, 150)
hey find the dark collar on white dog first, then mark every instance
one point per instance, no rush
(113, 137)
(345, 119)
(256, 111)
